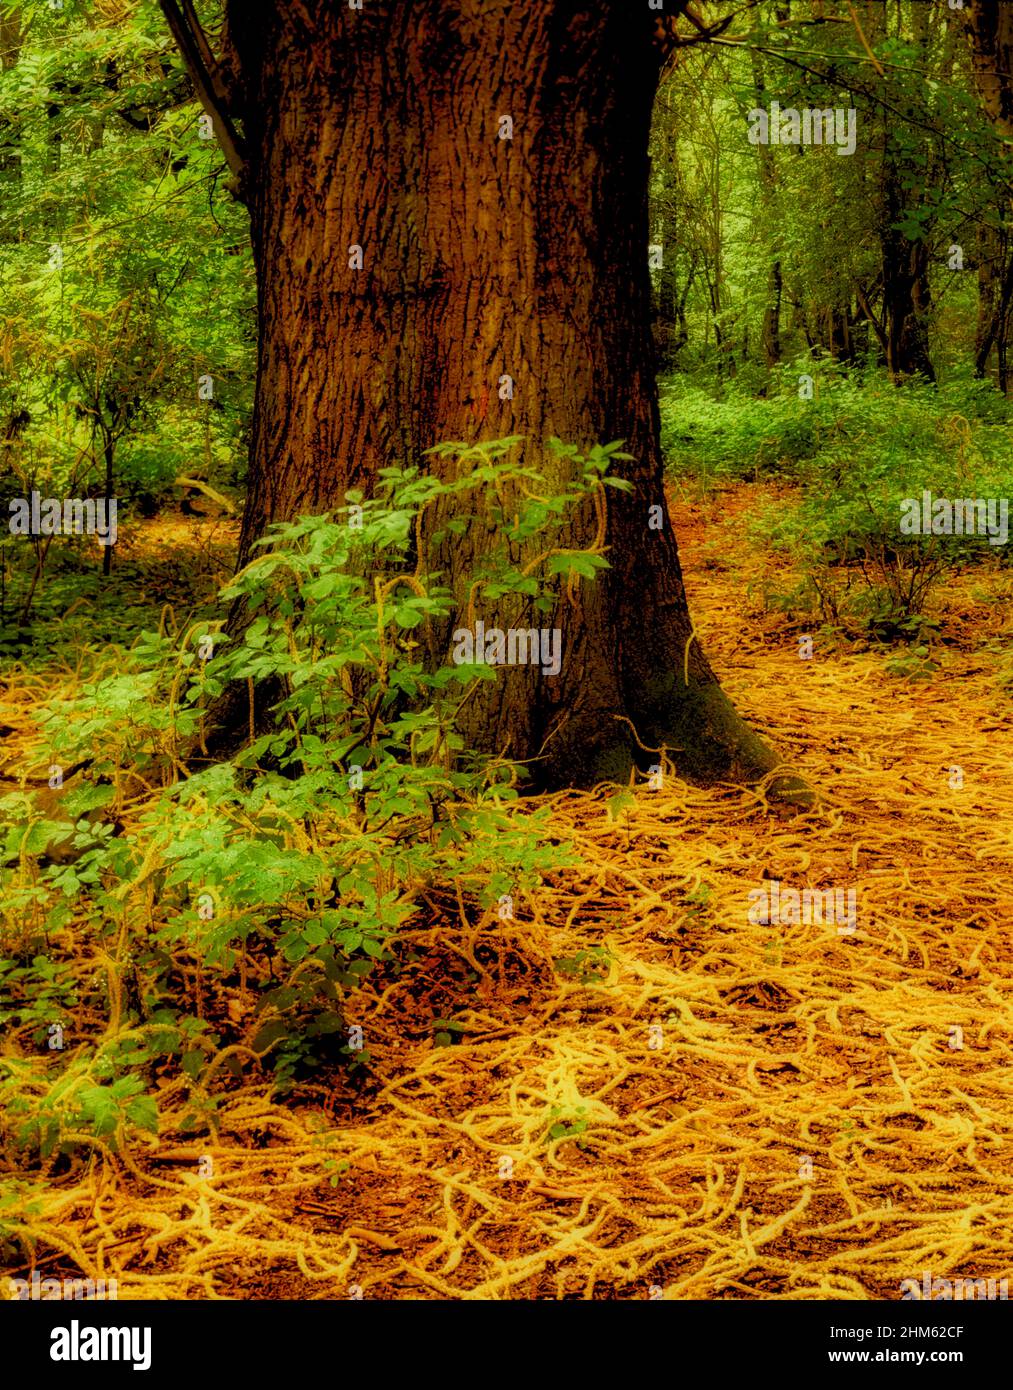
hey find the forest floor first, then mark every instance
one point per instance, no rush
(696, 1107)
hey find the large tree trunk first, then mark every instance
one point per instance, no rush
(482, 257)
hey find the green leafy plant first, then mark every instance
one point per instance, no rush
(446, 1031)
(297, 862)
(565, 1125)
(75, 1105)
(590, 965)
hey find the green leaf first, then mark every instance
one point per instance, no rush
(143, 1112)
(580, 562)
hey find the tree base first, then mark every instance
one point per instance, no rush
(699, 730)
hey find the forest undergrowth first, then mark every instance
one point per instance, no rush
(627, 1089)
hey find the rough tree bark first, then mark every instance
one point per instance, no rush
(483, 257)
(989, 28)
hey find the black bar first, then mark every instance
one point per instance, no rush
(761, 1339)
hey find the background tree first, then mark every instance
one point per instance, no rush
(125, 276)
(989, 28)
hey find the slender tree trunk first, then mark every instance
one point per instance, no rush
(11, 38)
(663, 214)
(772, 317)
(108, 453)
(996, 327)
(1001, 350)
(907, 299)
(906, 294)
(482, 257)
(989, 281)
(771, 331)
(995, 289)
(989, 28)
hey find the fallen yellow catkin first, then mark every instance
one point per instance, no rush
(726, 1109)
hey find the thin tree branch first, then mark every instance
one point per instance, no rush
(871, 94)
(195, 49)
(200, 38)
(667, 38)
(864, 41)
(878, 328)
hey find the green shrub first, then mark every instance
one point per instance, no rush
(853, 452)
(316, 842)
